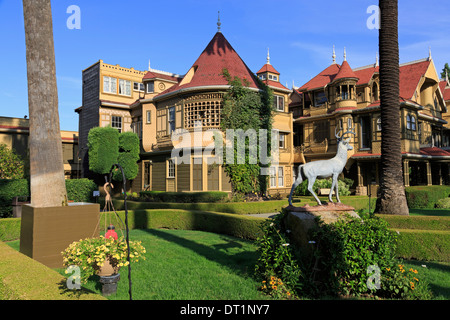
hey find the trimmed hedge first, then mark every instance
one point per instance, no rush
(417, 222)
(10, 189)
(239, 226)
(184, 197)
(425, 196)
(78, 190)
(429, 245)
(22, 278)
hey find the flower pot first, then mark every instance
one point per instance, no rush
(107, 269)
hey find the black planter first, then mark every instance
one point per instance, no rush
(109, 284)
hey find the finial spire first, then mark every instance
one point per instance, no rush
(345, 55)
(268, 56)
(334, 55)
(446, 77)
(376, 60)
(218, 21)
(429, 53)
(149, 65)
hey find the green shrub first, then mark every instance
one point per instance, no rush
(351, 251)
(443, 203)
(128, 156)
(276, 257)
(184, 197)
(10, 189)
(343, 187)
(103, 144)
(425, 196)
(80, 190)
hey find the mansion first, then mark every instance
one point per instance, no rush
(154, 104)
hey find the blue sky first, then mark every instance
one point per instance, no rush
(172, 34)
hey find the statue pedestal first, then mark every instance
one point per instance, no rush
(301, 220)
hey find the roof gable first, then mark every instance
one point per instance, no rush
(208, 68)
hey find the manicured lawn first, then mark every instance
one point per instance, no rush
(196, 265)
(189, 265)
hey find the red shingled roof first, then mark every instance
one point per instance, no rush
(322, 79)
(218, 54)
(275, 84)
(410, 75)
(434, 151)
(267, 68)
(154, 74)
(345, 72)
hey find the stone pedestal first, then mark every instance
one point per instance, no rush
(301, 220)
(46, 232)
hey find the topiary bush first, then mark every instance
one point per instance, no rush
(103, 144)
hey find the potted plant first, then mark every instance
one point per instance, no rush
(101, 256)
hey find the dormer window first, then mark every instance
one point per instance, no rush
(273, 77)
(262, 76)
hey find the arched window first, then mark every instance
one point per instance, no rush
(411, 122)
(379, 124)
(375, 92)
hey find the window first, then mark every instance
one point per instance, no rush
(410, 122)
(150, 87)
(125, 87)
(262, 76)
(282, 140)
(344, 93)
(320, 131)
(273, 77)
(365, 133)
(138, 87)
(273, 177)
(170, 168)
(278, 103)
(379, 124)
(319, 98)
(171, 119)
(116, 122)
(137, 127)
(109, 85)
(280, 177)
(149, 116)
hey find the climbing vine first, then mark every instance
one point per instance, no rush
(244, 109)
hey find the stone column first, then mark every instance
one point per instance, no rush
(406, 172)
(429, 177)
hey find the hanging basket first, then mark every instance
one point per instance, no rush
(107, 269)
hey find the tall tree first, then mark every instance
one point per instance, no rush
(391, 197)
(445, 71)
(47, 183)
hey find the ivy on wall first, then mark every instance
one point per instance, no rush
(244, 108)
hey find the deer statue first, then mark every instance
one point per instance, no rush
(322, 169)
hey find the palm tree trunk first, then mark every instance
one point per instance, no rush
(47, 182)
(391, 198)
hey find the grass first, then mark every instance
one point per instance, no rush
(189, 265)
(197, 265)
